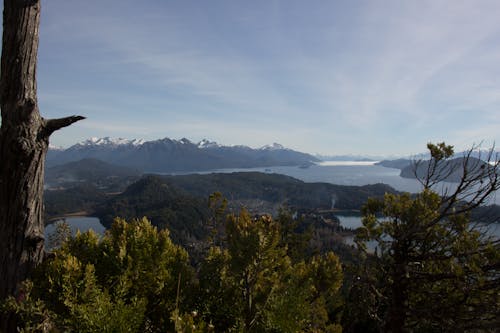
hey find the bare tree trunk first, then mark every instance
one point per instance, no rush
(24, 138)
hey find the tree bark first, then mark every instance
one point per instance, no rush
(24, 139)
(397, 314)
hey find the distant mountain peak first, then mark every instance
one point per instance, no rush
(108, 141)
(274, 146)
(203, 144)
(137, 142)
(185, 141)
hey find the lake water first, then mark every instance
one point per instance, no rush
(353, 221)
(349, 173)
(338, 172)
(78, 223)
(350, 221)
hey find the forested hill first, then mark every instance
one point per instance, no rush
(395, 164)
(450, 171)
(88, 169)
(279, 189)
(179, 203)
(164, 204)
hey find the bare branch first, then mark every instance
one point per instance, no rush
(52, 125)
(480, 178)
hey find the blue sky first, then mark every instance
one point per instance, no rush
(332, 77)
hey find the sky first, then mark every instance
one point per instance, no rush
(331, 77)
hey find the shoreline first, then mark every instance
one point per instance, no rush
(74, 214)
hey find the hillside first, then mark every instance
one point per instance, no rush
(279, 189)
(179, 203)
(395, 164)
(78, 198)
(103, 175)
(165, 206)
(88, 169)
(450, 171)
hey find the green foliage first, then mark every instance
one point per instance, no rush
(134, 279)
(253, 286)
(189, 323)
(217, 206)
(141, 261)
(294, 236)
(73, 302)
(258, 275)
(125, 282)
(440, 151)
(32, 313)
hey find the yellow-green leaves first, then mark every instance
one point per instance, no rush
(253, 286)
(125, 282)
(135, 279)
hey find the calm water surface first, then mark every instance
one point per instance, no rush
(81, 223)
(354, 221)
(349, 173)
(341, 173)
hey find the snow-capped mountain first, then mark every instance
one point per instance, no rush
(274, 146)
(107, 141)
(169, 155)
(208, 144)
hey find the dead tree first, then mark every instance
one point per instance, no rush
(24, 139)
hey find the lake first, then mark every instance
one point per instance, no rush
(78, 223)
(353, 221)
(338, 172)
(352, 173)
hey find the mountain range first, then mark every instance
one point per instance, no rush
(169, 155)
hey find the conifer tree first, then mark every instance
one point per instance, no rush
(434, 269)
(252, 285)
